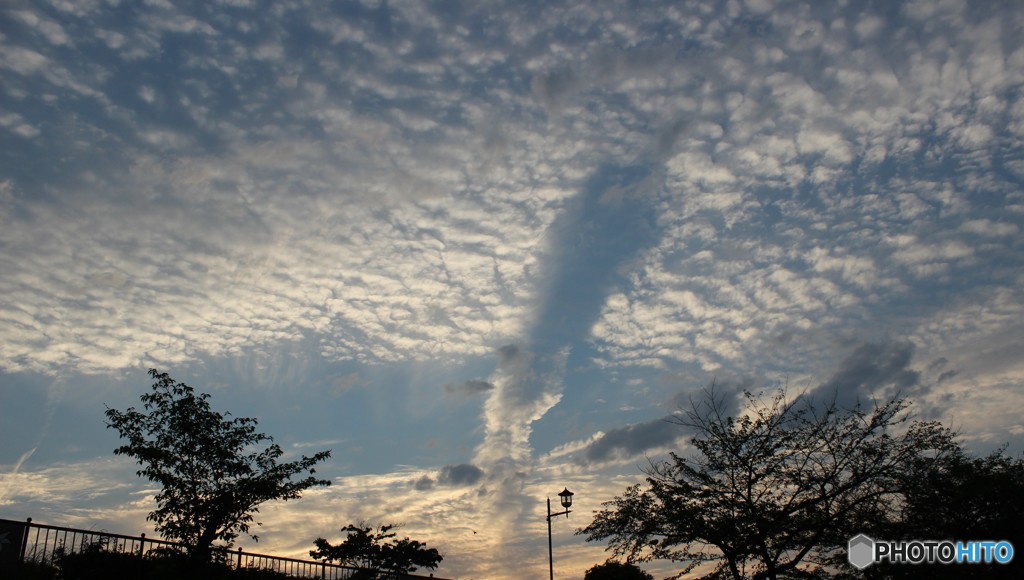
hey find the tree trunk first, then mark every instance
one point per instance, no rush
(202, 551)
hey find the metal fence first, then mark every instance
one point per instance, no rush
(28, 542)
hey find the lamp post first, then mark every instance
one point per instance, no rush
(566, 497)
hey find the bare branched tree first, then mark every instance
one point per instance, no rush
(773, 492)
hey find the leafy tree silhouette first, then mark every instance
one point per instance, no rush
(212, 479)
(954, 496)
(612, 570)
(376, 551)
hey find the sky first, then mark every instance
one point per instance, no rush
(481, 250)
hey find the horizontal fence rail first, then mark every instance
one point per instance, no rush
(41, 544)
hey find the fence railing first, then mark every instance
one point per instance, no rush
(28, 542)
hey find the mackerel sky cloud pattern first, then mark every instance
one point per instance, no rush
(482, 250)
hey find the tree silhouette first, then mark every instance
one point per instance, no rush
(775, 491)
(612, 570)
(377, 551)
(954, 496)
(212, 479)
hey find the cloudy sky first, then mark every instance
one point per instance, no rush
(482, 249)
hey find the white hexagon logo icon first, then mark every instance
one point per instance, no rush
(860, 551)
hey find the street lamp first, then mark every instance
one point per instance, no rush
(566, 498)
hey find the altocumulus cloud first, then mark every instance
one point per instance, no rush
(639, 197)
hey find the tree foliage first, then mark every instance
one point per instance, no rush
(612, 570)
(212, 477)
(955, 496)
(961, 495)
(773, 492)
(377, 551)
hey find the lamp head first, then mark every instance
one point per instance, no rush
(566, 496)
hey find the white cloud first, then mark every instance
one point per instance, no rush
(912, 251)
(22, 60)
(868, 25)
(48, 29)
(986, 227)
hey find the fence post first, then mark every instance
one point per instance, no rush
(24, 539)
(323, 571)
(239, 566)
(142, 554)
